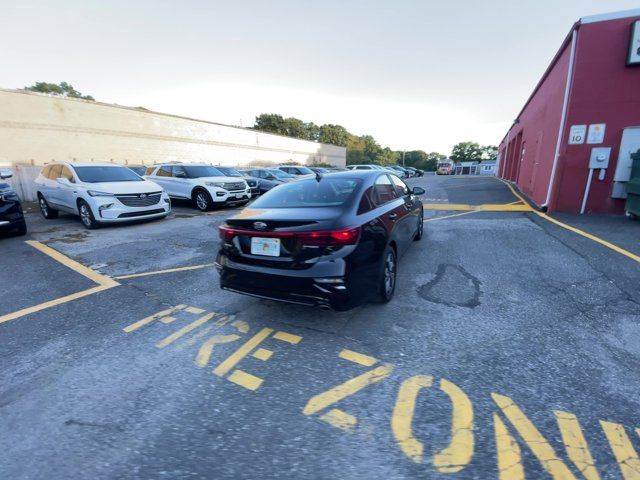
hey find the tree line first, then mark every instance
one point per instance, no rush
(364, 149)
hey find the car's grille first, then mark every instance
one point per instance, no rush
(233, 186)
(140, 199)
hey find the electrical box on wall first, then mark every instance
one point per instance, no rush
(600, 157)
(630, 144)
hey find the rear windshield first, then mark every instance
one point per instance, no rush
(328, 192)
(305, 170)
(202, 171)
(106, 174)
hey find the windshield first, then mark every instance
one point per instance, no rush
(229, 172)
(279, 173)
(198, 171)
(328, 192)
(106, 174)
(305, 171)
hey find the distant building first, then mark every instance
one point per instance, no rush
(487, 167)
(466, 168)
(569, 148)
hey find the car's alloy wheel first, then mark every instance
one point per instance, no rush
(203, 201)
(388, 275)
(86, 216)
(45, 209)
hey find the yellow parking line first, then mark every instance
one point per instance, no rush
(53, 303)
(591, 237)
(104, 282)
(73, 265)
(449, 216)
(160, 272)
(500, 207)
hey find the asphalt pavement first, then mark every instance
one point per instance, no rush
(511, 349)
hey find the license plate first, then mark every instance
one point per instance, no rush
(239, 195)
(269, 247)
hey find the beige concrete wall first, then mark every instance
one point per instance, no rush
(36, 129)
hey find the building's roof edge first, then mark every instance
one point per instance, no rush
(603, 17)
(145, 110)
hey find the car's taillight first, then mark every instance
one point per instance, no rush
(325, 238)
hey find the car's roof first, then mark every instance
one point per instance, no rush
(86, 164)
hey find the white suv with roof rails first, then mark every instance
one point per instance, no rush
(202, 183)
(99, 193)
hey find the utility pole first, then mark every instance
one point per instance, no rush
(403, 152)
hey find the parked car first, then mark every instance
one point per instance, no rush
(332, 242)
(269, 177)
(400, 171)
(253, 182)
(320, 170)
(99, 193)
(204, 184)
(11, 215)
(417, 172)
(139, 169)
(297, 171)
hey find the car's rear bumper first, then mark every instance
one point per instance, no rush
(309, 287)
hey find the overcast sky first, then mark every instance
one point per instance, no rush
(414, 74)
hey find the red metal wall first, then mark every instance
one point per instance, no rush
(604, 90)
(532, 141)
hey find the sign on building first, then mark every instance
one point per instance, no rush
(633, 58)
(577, 133)
(596, 133)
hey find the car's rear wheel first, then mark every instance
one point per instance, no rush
(420, 231)
(86, 215)
(202, 200)
(388, 278)
(46, 211)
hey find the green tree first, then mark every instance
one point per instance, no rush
(270, 122)
(294, 127)
(467, 152)
(489, 152)
(62, 89)
(334, 134)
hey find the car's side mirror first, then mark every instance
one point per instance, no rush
(63, 181)
(5, 173)
(418, 191)
(271, 177)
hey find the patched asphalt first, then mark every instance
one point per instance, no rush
(497, 304)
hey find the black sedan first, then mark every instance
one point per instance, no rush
(331, 241)
(11, 216)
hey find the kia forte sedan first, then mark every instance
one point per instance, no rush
(332, 241)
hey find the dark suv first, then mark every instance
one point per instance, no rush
(11, 216)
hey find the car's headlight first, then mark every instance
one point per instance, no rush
(214, 184)
(95, 193)
(9, 196)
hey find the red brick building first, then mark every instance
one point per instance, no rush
(588, 98)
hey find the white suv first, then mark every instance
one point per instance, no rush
(99, 193)
(203, 184)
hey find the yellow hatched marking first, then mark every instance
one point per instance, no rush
(533, 438)
(340, 419)
(622, 449)
(402, 417)
(151, 318)
(503, 207)
(508, 452)
(194, 310)
(184, 330)
(324, 399)
(168, 319)
(287, 337)
(576, 444)
(242, 352)
(358, 358)
(458, 454)
(262, 354)
(246, 380)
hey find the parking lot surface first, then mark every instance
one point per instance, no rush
(511, 350)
